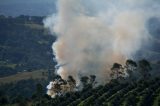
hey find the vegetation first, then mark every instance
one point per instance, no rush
(38, 74)
(26, 55)
(25, 58)
(24, 45)
(139, 93)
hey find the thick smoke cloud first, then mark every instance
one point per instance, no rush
(93, 34)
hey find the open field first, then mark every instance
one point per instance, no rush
(39, 74)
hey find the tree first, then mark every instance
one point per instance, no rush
(132, 64)
(130, 67)
(4, 100)
(39, 90)
(116, 70)
(57, 87)
(84, 81)
(92, 79)
(144, 68)
(71, 79)
(71, 82)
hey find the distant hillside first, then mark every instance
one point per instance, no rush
(24, 45)
(27, 7)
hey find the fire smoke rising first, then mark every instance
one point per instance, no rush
(92, 34)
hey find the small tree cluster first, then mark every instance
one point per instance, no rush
(88, 82)
(117, 71)
(130, 69)
(60, 86)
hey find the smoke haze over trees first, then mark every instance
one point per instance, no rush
(104, 53)
(91, 38)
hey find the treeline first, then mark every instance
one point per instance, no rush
(120, 91)
(114, 93)
(22, 19)
(131, 70)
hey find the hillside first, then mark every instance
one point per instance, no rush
(140, 93)
(24, 45)
(26, 56)
(29, 7)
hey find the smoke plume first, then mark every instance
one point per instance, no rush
(93, 34)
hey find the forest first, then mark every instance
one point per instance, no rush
(121, 90)
(25, 57)
(25, 47)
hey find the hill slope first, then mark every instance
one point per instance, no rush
(24, 45)
(141, 93)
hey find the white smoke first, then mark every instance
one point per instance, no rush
(93, 34)
(50, 91)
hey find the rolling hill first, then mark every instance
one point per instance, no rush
(26, 55)
(140, 93)
(24, 45)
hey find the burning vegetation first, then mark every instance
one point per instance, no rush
(91, 38)
(60, 86)
(131, 71)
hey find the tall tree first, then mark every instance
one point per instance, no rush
(116, 70)
(144, 68)
(72, 82)
(84, 80)
(92, 79)
(130, 67)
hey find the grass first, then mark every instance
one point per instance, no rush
(39, 74)
(43, 42)
(34, 26)
(9, 65)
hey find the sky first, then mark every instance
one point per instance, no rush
(27, 7)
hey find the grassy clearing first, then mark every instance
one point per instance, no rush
(34, 26)
(24, 76)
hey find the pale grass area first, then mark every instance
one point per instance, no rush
(39, 74)
(34, 26)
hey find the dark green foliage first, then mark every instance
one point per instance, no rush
(71, 79)
(24, 45)
(116, 71)
(131, 62)
(84, 80)
(144, 68)
(112, 94)
(25, 88)
(4, 100)
(6, 71)
(142, 93)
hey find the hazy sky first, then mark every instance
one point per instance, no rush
(25, 1)
(27, 7)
